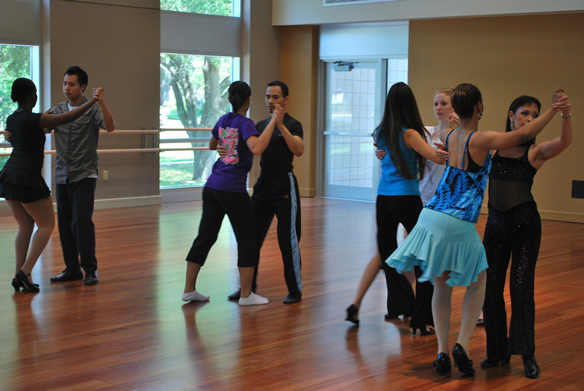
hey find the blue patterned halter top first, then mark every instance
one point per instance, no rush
(460, 193)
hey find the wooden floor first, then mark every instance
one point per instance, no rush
(132, 331)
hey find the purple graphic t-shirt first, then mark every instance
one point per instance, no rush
(230, 173)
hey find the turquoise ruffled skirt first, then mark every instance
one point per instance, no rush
(439, 243)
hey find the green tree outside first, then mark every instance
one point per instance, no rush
(207, 7)
(193, 90)
(14, 63)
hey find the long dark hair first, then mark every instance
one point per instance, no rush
(401, 111)
(238, 93)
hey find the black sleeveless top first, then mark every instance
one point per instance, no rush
(510, 181)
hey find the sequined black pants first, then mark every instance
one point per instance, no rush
(515, 233)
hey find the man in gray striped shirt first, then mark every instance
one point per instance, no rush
(76, 178)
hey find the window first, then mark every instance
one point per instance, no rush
(207, 7)
(193, 94)
(15, 61)
(397, 70)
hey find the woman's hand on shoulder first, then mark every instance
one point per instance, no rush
(453, 121)
(441, 152)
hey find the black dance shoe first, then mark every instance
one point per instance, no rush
(235, 295)
(22, 280)
(531, 367)
(491, 362)
(423, 331)
(461, 360)
(442, 364)
(91, 278)
(293, 298)
(16, 285)
(352, 312)
(67, 276)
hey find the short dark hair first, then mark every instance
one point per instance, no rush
(464, 99)
(21, 88)
(82, 77)
(519, 102)
(238, 92)
(282, 86)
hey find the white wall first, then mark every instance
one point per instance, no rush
(302, 12)
(372, 40)
(200, 34)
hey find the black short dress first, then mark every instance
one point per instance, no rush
(21, 178)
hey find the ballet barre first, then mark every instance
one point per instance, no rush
(156, 141)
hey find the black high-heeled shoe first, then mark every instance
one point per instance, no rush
(352, 311)
(16, 285)
(22, 280)
(530, 366)
(423, 331)
(442, 364)
(461, 360)
(491, 362)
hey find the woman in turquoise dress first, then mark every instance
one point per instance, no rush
(444, 242)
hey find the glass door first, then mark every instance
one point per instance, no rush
(355, 92)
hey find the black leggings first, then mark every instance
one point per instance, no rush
(392, 210)
(237, 207)
(516, 233)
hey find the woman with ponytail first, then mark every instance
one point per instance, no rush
(21, 180)
(225, 193)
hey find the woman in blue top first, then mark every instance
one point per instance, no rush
(21, 180)
(225, 193)
(403, 137)
(445, 242)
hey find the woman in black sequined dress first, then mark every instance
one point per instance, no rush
(514, 230)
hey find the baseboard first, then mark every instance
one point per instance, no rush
(562, 216)
(307, 192)
(113, 203)
(181, 195)
(566, 217)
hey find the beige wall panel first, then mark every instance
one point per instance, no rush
(119, 48)
(506, 57)
(300, 72)
(313, 12)
(260, 63)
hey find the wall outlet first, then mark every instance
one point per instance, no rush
(577, 189)
(105, 175)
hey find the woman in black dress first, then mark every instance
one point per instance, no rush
(513, 232)
(21, 182)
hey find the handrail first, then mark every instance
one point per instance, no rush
(142, 150)
(187, 129)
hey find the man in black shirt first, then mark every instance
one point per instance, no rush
(276, 191)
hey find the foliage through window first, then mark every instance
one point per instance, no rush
(193, 94)
(15, 62)
(207, 7)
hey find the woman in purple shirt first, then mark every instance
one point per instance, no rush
(225, 193)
